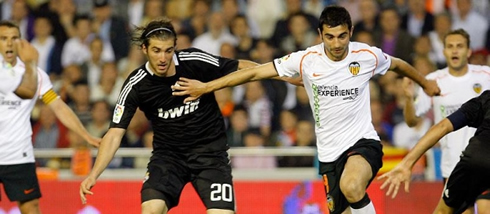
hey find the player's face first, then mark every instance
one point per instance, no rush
(7, 37)
(159, 54)
(336, 40)
(456, 51)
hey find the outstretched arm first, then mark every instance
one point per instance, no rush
(195, 89)
(403, 68)
(402, 172)
(108, 147)
(71, 121)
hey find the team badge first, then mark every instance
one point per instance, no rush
(118, 112)
(477, 88)
(354, 68)
(331, 203)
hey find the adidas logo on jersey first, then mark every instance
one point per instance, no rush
(180, 111)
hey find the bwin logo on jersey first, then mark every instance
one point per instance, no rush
(187, 108)
(354, 68)
(477, 88)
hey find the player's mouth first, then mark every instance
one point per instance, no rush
(454, 59)
(162, 66)
(9, 54)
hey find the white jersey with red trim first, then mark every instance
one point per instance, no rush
(454, 92)
(338, 92)
(15, 125)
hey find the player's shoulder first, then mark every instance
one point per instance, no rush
(438, 74)
(195, 55)
(479, 69)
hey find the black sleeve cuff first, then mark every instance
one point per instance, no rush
(458, 119)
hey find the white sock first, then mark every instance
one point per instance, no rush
(368, 209)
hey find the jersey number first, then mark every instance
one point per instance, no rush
(221, 192)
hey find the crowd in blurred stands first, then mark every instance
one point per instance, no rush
(85, 48)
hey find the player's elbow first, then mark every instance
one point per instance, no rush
(25, 93)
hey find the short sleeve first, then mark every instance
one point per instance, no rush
(44, 82)
(474, 109)
(383, 61)
(9, 80)
(126, 105)
(290, 65)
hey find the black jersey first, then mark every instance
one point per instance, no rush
(195, 126)
(477, 114)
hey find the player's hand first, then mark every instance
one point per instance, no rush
(431, 88)
(94, 141)
(85, 187)
(408, 87)
(193, 88)
(394, 178)
(27, 53)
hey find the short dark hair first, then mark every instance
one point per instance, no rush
(334, 16)
(9, 24)
(160, 28)
(461, 32)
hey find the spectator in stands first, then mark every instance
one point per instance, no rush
(301, 34)
(23, 18)
(195, 25)
(76, 49)
(92, 68)
(390, 38)
(254, 140)
(417, 21)
(240, 28)
(100, 118)
(112, 29)
(47, 45)
(153, 10)
(81, 101)
(109, 85)
(259, 108)
(216, 35)
(442, 26)
(238, 127)
(369, 17)
(472, 22)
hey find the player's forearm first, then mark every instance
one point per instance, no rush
(433, 136)
(409, 112)
(108, 147)
(242, 76)
(403, 68)
(68, 118)
(28, 86)
(242, 64)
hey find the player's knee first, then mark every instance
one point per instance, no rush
(352, 190)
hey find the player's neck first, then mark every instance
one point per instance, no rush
(457, 72)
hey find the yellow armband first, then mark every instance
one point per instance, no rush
(49, 97)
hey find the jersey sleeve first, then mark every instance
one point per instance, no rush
(383, 61)
(126, 105)
(9, 80)
(474, 109)
(290, 65)
(44, 82)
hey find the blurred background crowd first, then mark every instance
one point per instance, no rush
(85, 48)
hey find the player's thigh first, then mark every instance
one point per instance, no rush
(20, 182)
(357, 173)
(165, 180)
(213, 182)
(154, 206)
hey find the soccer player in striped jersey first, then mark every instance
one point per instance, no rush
(17, 163)
(336, 76)
(189, 142)
(459, 82)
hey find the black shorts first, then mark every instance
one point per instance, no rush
(20, 182)
(369, 149)
(209, 173)
(464, 186)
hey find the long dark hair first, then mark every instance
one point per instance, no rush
(160, 29)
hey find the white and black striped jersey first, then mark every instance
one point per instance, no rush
(196, 126)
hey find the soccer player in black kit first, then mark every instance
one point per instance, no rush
(471, 175)
(189, 143)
